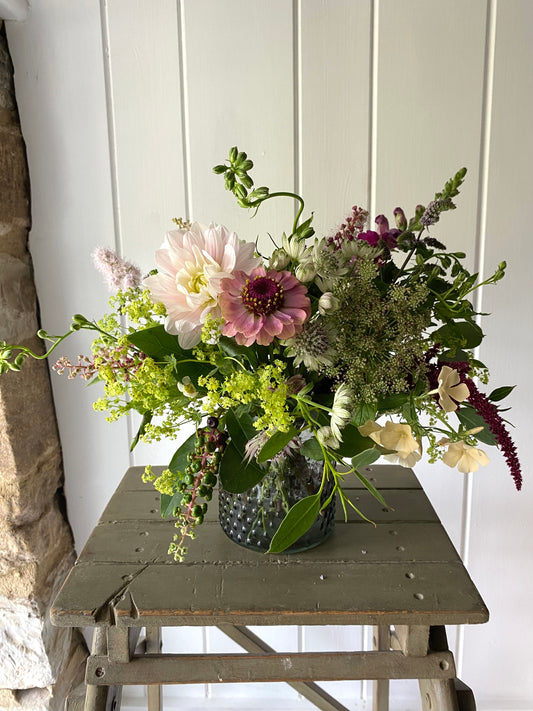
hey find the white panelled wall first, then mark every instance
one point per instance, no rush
(127, 104)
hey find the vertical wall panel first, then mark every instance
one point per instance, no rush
(239, 73)
(334, 117)
(501, 541)
(429, 112)
(145, 108)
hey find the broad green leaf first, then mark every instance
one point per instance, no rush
(241, 430)
(179, 461)
(192, 370)
(469, 418)
(392, 402)
(146, 419)
(275, 444)
(237, 475)
(465, 334)
(364, 459)
(232, 348)
(353, 442)
(157, 343)
(362, 413)
(299, 520)
(311, 449)
(169, 503)
(501, 393)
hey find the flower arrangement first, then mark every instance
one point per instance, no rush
(345, 348)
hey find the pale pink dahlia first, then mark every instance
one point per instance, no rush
(260, 306)
(191, 265)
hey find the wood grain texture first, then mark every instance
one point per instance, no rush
(408, 573)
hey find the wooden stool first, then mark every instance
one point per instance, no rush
(402, 576)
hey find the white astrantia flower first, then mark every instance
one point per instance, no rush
(461, 455)
(341, 410)
(450, 386)
(279, 259)
(311, 346)
(305, 272)
(191, 265)
(294, 246)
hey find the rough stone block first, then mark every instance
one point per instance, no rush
(14, 182)
(18, 320)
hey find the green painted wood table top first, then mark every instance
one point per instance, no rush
(402, 571)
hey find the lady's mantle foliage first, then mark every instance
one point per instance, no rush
(337, 346)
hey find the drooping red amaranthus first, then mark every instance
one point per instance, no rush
(488, 411)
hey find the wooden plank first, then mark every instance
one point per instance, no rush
(252, 643)
(237, 668)
(137, 542)
(328, 593)
(153, 646)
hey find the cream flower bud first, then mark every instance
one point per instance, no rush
(187, 387)
(328, 303)
(305, 272)
(279, 259)
(326, 438)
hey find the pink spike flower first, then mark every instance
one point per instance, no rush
(263, 305)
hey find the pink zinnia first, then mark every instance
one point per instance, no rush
(261, 306)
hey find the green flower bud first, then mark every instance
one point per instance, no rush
(229, 179)
(240, 159)
(240, 191)
(247, 181)
(234, 152)
(246, 165)
(19, 360)
(219, 169)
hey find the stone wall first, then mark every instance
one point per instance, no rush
(38, 663)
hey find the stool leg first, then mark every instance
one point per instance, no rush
(153, 646)
(380, 696)
(96, 696)
(438, 695)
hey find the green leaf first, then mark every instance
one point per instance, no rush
(362, 413)
(157, 343)
(237, 475)
(469, 418)
(169, 503)
(299, 520)
(311, 449)
(501, 393)
(365, 458)
(146, 419)
(353, 442)
(232, 348)
(275, 444)
(465, 334)
(241, 429)
(179, 461)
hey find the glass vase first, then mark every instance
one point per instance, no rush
(252, 518)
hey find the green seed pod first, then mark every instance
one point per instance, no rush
(208, 495)
(186, 499)
(196, 510)
(196, 466)
(202, 490)
(189, 479)
(210, 446)
(204, 508)
(199, 519)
